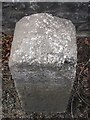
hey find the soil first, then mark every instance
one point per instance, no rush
(79, 102)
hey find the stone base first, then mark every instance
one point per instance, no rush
(43, 88)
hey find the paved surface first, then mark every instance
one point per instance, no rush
(78, 13)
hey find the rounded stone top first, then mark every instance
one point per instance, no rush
(44, 39)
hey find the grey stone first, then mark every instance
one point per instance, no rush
(43, 62)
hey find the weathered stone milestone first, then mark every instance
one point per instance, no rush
(43, 62)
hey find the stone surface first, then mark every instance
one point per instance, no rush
(42, 38)
(42, 61)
